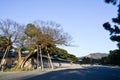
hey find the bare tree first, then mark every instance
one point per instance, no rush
(12, 31)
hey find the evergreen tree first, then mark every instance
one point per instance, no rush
(115, 29)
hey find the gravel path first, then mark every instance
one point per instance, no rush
(76, 73)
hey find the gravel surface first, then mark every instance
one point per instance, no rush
(74, 73)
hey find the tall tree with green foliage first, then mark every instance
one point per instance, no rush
(31, 32)
(52, 35)
(115, 29)
(72, 58)
(63, 54)
(112, 59)
(114, 2)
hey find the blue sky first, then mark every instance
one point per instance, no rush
(81, 19)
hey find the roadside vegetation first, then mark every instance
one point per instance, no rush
(42, 38)
(39, 37)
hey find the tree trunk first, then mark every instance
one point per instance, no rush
(19, 56)
(25, 59)
(3, 58)
(49, 60)
(41, 60)
(19, 59)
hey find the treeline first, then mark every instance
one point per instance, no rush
(40, 36)
(63, 54)
(91, 61)
(112, 59)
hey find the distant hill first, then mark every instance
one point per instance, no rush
(95, 55)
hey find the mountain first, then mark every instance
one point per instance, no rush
(95, 55)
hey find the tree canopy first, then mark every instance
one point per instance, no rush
(114, 29)
(113, 58)
(114, 2)
(33, 37)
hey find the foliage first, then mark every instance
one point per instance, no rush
(3, 43)
(62, 53)
(53, 30)
(115, 30)
(72, 57)
(87, 60)
(33, 37)
(113, 58)
(104, 61)
(31, 30)
(114, 2)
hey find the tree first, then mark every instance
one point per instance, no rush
(11, 31)
(114, 2)
(114, 56)
(30, 36)
(54, 30)
(112, 59)
(62, 53)
(72, 58)
(52, 35)
(3, 44)
(104, 61)
(86, 60)
(115, 30)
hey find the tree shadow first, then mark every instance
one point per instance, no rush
(78, 74)
(67, 74)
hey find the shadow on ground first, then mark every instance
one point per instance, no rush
(91, 73)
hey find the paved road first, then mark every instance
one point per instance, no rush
(87, 73)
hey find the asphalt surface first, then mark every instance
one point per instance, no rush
(87, 73)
